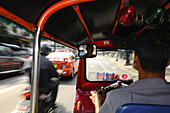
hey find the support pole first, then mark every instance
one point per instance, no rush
(35, 73)
(36, 55)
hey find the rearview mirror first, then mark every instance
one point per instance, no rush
(87, 51)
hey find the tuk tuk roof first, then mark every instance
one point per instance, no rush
(83, 21)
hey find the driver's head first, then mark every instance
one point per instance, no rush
(45, 49)
(152, 51)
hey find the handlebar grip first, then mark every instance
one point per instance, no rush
(128, 82)
(103, 90)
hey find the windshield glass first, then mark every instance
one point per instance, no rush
(110, 66)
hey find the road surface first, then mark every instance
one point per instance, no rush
(106, 64)
(10, 89)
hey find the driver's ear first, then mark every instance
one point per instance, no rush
(136, 62)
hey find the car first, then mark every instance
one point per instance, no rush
(25, 53)
(65, 62)
(10, 61)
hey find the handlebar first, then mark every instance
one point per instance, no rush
(118, 84)
(128, 82)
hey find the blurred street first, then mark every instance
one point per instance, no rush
(11, 88)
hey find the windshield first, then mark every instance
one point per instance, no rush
(110, 66)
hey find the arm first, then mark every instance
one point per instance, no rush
(106, 107)
(96, 100)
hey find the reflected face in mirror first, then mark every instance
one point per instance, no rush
(87, 51)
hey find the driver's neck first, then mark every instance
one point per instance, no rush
(144, 74)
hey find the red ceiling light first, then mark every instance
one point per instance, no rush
(127, 15)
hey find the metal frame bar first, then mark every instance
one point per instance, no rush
(58, 40)
(143, 28)
(56, 7)
(11, 16)
(77, 9)
(35, 73)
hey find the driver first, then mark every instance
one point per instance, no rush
(152, 55)
(89, 51)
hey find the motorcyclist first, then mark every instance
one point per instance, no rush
(48, 75)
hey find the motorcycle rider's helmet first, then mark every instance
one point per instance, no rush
(45, 49)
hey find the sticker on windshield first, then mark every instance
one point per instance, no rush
(116, 77)
(100, 76)
(124, 76)
(110, 76)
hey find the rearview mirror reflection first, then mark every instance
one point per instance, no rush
(87, 51)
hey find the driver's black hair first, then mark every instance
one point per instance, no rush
(90, 46)
(152, 49)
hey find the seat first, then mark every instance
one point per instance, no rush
(143, 108)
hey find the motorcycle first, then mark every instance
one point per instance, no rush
(45, 100)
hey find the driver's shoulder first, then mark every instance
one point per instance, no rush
(118, 97)
(119, 93)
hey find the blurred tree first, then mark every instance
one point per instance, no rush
(127, 57)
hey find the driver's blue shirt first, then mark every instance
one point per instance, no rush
(146, 91)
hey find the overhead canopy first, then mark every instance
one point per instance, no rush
(84, 22)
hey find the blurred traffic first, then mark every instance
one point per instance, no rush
(16, 49)
(10, 61)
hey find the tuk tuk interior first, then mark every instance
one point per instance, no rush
(105, 23)
(89, 78)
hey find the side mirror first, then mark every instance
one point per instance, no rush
(87, 51)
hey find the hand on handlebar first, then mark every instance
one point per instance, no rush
(95, 98)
